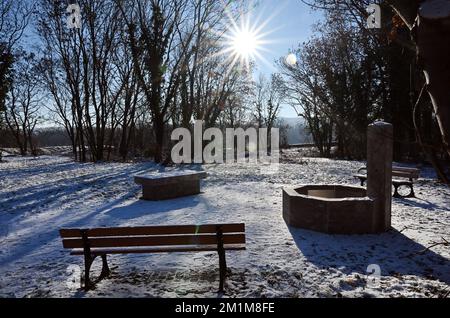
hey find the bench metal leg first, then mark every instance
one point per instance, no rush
(88, 260)
(222, 259)
(87, 268)
(362, 181)
(396, 194)
(105, 269)
(222, 269)
(412, 194)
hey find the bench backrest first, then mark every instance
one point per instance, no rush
(410, 173)
(406, 172)
(182, 235)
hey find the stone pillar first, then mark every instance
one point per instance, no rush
(379, 172)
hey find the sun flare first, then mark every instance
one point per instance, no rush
(245, 44)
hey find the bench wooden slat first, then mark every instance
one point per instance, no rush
(405, 174)
(402, 172)
(175, 249)
(153, 239)
(401, 182)
(201, 239)
(154, 230)
(394, 174)
(406, 169)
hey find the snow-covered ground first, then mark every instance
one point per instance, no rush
(40, 196)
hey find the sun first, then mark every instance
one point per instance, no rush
(244, 41)
(245, 44)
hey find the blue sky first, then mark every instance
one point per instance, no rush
(291, 24)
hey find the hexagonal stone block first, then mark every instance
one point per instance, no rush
(333, 209)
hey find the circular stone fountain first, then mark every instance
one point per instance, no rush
(333, 209)
(339, 209)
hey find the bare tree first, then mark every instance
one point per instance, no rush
(131, 99)
(59, 105)
(302, 93)
(220, 90)
(14, 19)
(88, 61)
(22, 109)
(156, 37)
(335, 86)
(428, 24)
(207, 81)
(134, 65)
(181, 77)
(268, 96)
(64, 71)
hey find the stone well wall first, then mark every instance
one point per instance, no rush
(333, 209)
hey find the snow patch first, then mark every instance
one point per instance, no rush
(40, 196)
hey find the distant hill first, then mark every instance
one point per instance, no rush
(297, 132)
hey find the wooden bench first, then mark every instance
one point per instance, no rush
(100, 242)
(401, 172)
(170, 185)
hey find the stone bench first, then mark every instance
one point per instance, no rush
(169, 185)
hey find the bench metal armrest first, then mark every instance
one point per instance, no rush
(363, 169)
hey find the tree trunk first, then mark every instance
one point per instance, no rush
(433, 34)
(158, 127)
